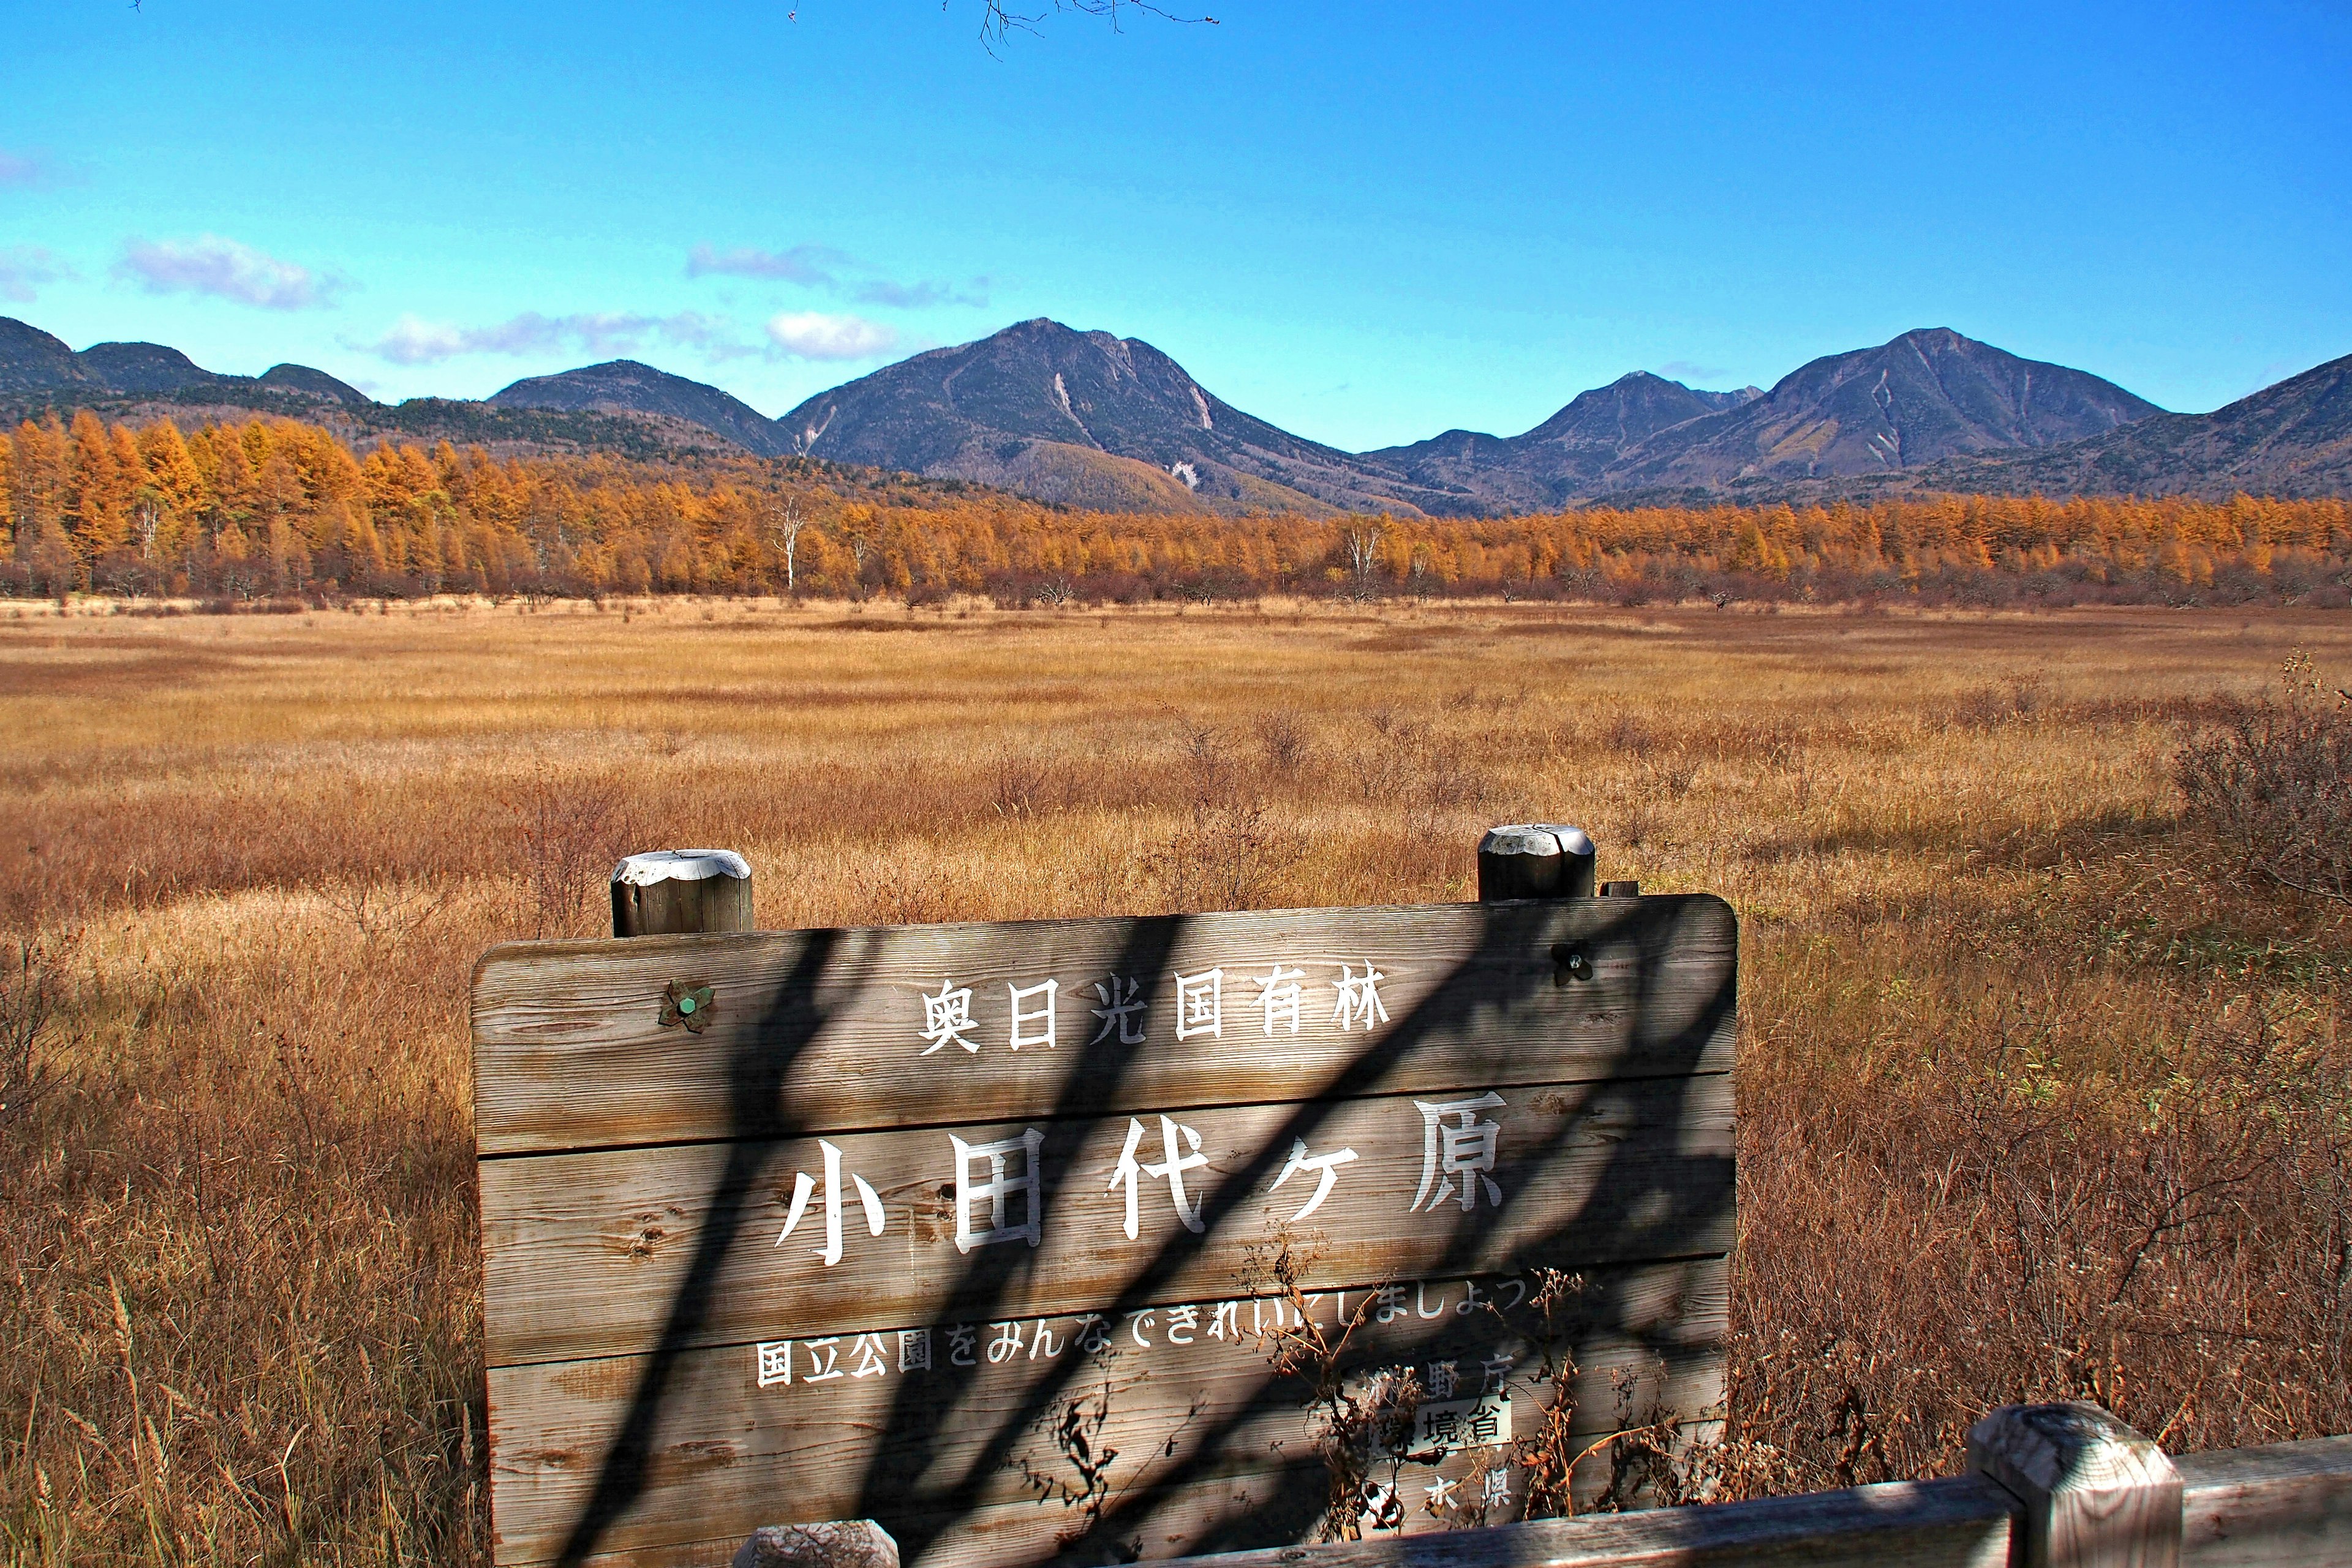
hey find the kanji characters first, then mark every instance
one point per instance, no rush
(1000, 1190)
(1032, 1026)
(1359, 1003)
(1124, 1014)
(803, 1184)
(1458, 1141)
(1201, 1005)
(1170, 1169)
(1279, 996)
(945, 1017)
(1119, 1012)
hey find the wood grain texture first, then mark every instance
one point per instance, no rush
(824, 1029)
(2095, 1493)
(637, 1183)
(1645, 1341)
(615, 1251)
(2286, 1505)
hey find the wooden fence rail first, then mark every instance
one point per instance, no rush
(2285, 1506)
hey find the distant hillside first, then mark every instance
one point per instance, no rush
(624, 386)
(1034, 395)
(1565, 457)
(1927, 395)
(32, 362)
(139, 381)
(2291, 439)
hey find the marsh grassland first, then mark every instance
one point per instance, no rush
(2040, 1095)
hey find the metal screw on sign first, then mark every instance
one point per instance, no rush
(687, 1006)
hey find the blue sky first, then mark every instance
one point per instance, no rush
(1366, 223)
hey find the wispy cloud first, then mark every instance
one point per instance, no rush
(30, 170)
(810, 264)
(822, 266)
(413, 340)
(811, 334)
(1685, 371)
(225, 270)
(25, 268)
(919, 296)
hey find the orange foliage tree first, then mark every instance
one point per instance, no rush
(279, 508)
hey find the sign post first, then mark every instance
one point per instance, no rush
(1097, 1240)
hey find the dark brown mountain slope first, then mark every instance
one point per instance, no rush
(1929, 394)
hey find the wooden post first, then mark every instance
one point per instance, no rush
(668, 892)
(2096, 1494)
(1535, 860)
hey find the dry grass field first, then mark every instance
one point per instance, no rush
(2039, 1095)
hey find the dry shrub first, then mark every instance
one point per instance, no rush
(1233, 856)
(29, 999)
(1019, 785)
(1283, 742)
(2014, 700)
(570, 827)
(2032, 1198)
(2272, 780)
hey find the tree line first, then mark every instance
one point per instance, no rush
(277, 508)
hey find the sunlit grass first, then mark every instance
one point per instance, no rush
(1999, 1012)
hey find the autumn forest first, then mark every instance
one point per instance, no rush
(278, 511)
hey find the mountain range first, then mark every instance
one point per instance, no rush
(1092, 419)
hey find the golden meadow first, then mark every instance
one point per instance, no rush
(2040, 1096)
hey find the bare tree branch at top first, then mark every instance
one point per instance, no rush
(999, 21)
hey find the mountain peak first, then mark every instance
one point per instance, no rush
(1921, 396)
(1042, 398)
(633, 386)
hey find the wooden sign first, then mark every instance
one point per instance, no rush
(1095, 1240)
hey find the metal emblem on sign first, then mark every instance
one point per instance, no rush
(689, 1006)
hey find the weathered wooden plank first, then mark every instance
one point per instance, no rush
(620, 1251)
(825, 1029)
(1964, 1522)
(2286, 1505)
(920, 1448)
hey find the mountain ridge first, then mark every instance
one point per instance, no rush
(1089, 418)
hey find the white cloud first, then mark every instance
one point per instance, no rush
(1688, 370)
(25, 268)
(811, 334)
(415, 340)
(226, 270)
